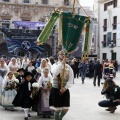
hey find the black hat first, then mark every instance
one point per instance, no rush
(21, 69)
(27, 74)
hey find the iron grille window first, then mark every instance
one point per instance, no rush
(44, 1)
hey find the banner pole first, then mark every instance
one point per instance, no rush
(73, 9)
(63, 72)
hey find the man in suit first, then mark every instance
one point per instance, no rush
(97, 72)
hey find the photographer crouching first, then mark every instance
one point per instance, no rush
(110, 90)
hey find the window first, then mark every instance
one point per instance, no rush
(104, 56)
(114, 38)
(114, 22)
(66, 2)
(6, 0)
(105, 6)
(113, 57)
(44, 1)
(26, 1)
(104, 40)
(105, 25)
(114, 3)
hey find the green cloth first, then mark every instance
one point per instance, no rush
(48, 28)
(87, 39)
(71, 30)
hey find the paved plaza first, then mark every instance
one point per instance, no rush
(84, 104)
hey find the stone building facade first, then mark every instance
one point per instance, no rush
(36, 10)
(109, 29)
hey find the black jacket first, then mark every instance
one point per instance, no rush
(98, 68)
(20, 78)
(111, 93)
(23, 98)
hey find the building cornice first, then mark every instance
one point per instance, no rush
(32, 5)
(103, 1)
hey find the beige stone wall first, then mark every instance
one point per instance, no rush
(33, 11)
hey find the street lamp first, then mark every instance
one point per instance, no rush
(112, 45)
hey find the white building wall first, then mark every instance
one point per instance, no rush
(109, 16)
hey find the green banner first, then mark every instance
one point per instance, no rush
(48, 28)
(87, 40)
(71, 30)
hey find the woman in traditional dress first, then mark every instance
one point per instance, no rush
(3, 71)
(25, 62)
(19, 62)
(13, 66)
(45, 82)
(3, 68)
(31, 68)
(9, 91)
(43, 65)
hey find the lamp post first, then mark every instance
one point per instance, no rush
(112, 45)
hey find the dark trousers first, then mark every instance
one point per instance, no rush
(91, 73)
(106, 70)
(106, 103)
(76, 73)
(95, 76)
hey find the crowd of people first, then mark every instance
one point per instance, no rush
(37, 83)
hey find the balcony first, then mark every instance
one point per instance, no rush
(114, 26)
(103, 43)
(104, 28)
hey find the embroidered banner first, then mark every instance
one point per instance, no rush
(70, 31)
(48, 28)
(87, 39)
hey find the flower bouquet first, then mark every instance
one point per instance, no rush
(49, 85)
(12, 84)
(35, 89)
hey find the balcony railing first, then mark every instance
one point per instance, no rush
(103, 44)
(114, 26)
(104, 28)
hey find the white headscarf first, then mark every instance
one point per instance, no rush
(23, 61)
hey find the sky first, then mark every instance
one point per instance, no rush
(87, 3)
